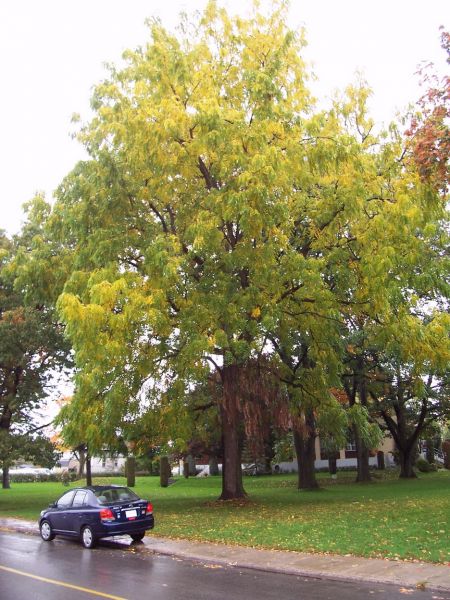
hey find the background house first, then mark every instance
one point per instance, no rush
(346, 457)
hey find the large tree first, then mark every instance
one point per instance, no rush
(218, 219)
(183, 212)
(208, 206)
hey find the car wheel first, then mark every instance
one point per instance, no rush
(137, 537)
(46, 531)
(87, 537)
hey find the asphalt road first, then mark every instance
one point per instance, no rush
(63, 569)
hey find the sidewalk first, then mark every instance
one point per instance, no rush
(344, 568)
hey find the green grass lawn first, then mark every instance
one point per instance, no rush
(390, 518)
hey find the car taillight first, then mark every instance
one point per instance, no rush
(149, 509)
(106, 514)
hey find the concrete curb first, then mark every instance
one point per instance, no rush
(339, 568)
(413, 575)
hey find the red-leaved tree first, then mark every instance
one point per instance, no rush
(429, 131)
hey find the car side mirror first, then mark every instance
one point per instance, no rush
(52, 505)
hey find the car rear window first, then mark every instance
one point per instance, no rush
(111, 495)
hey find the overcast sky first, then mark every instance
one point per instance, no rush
(52, 52)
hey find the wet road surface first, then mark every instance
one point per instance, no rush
(63, 569)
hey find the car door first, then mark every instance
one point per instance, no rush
(77, 512)
(58, 517)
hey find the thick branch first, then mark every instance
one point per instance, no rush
(209, 179)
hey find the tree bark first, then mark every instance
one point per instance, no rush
(213, 465)
(406, 458)
(191, 465)
(232, 486)
(131, 471)
(81, 461)
(164, 471)
(362, 458)
(429, 451)
(5, 477)
(88, 469)
(362, 452)
(332, 465)
(405, 442)
(5, 424)
(304, 442)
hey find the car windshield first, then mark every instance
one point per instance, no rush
(119, 494)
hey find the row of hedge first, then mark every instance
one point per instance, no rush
(421, 464)
(68, 476)
(40, 477)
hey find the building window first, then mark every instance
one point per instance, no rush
(350, 449)
(351, 446)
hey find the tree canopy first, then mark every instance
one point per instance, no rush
(223, 223)
(32, 351)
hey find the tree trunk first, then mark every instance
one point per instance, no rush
(429, 451)
(269, 452)
(185, 469)
(332, 464)
(405, 444)
(362, 453)
(380, 460)
(5, 477)
(232, 486)
(362, 458)
(131, 471)
(88, 469)
(213, 466)
(304, 442)
(406, 457)
(164, 471)
(82, 461)
(446, 451)
(5, 424)
(191, 465)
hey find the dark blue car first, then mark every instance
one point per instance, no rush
(90, 513)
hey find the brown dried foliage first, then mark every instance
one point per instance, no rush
(429, 133)
(253, 390)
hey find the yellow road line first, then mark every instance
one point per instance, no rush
(61, 583)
